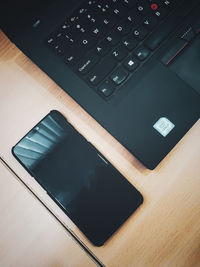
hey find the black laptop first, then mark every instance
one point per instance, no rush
(134, 65)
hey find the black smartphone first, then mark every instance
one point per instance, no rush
(95, 196)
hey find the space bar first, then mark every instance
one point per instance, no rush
(157, 37)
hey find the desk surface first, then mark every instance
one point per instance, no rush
(165, 230)
(29, 235)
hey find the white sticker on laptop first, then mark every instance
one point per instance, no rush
(163, 126)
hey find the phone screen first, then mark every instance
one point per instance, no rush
(96, 197)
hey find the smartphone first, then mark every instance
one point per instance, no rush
(95, 196)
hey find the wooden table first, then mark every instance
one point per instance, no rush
(30, 235)
(164, 231)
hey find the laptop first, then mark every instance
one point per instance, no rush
(133, 65)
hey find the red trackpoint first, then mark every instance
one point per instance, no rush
(154, 6)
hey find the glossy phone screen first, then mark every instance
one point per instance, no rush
(96, 197)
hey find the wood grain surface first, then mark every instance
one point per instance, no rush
(165, 230)
(29, 235)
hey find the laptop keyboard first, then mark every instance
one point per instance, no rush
(105, 41)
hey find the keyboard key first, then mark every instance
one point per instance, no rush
(74, 17)
(59, 49)
(129, 3)
(87, 41)
(72, 34)
(102, 48)
(141, 53)
(113, 38)
(50, 41)
(109, 21)
(114, 1)
(161, 12)
(90, 5)
(131, 63)
(101, 70)
(87, 62)
(107, 88)
(79, 28)
(134, 18)
(129, 42)
(123, 27)
(119, 53)
(72, 56)
(99, 31)
(65, 25)
(104, 5)
(82, 10)
(89, 18)
(168, 3)
(150, 22)
(119, 11)
(158, 36)
(59, 36)
(143, 7)
(140, 33)
(119, 75)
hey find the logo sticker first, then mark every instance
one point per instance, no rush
(163, 126)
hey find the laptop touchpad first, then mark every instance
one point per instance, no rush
(187, 66)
